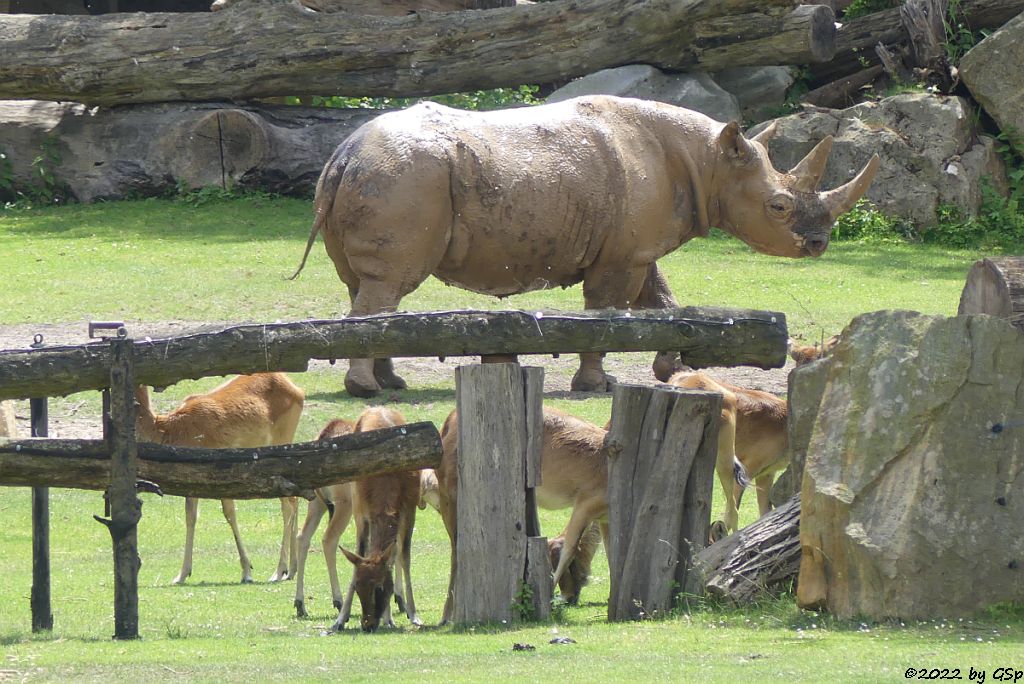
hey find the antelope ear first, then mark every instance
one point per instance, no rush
(733, 144)
(352, 557)
(389, 552)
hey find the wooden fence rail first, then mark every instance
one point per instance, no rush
(703, 336)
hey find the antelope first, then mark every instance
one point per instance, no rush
(336, 501)
(574, 472)
(805, 353)
(248, 411)
(752, 430)
(384, 508)
(577, 574)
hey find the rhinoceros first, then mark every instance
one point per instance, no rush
(592, 190)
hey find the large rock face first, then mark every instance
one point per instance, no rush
(913, 489)
(805, 387)
(931, 153)
(992, 72)
(694, 91)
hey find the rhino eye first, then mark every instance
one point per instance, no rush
(780, 206)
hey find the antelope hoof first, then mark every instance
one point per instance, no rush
(590, 380)
(300, 608)
(337, 605)
(415, 620)
(180, 579)
(246, 579)
(278, 576)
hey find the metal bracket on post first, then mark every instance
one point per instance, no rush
(42, 613)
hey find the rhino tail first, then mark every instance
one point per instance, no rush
(326, 190)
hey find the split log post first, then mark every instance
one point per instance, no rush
(995, 286)
(499, 435)
(42, 613)
(125, 506)
(661, 448)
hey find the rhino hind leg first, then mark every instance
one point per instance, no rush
(591, 376)
(384, 374)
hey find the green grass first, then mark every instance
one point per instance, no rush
(159, 260)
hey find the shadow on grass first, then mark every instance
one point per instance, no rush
(406, 396)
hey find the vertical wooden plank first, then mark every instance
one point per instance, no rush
(533, 385)
(42, 612)
(697, 499)
(491, 491)
(125, 506)
(629, 404)
(539, 576)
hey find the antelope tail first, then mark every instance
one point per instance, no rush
(740, 473)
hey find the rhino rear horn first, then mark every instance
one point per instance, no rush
(811, 168)
(767, 134)
(841, 200)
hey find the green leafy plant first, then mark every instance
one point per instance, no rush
(864, 223)
(49, 189)
(860, 8)
(522, 602)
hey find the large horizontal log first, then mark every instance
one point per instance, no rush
(261, 48)
(703, 336)
(266, 472)
(857, 38)
(115, 152)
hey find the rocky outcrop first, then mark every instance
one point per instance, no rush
(696, 91)
(806, 384)
(932, 154)
(911, 497)
(992, 72)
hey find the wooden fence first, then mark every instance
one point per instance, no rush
(702, 336)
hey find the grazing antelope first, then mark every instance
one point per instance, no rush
(577, 574)
(248, 411)
(574, 472)
(336, 501)
(805, 353)
(384, 508)
(752, 430)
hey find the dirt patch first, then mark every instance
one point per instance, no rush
(634, 368)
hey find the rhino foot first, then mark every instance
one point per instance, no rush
(359, 381)
(591, 380)
(384, 374)
(666, 364)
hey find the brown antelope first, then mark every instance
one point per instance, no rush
(577, 574)
(805, 353)
(384, 508)
(752, 430)
(336, 500)
(574, 473)
(248, 411)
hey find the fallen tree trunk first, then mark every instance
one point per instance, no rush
(113, 152)
(263, 473)
(856, 38)
(703, 336)
(263, 48)
(758, 561)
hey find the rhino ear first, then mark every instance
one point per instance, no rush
(733, 144)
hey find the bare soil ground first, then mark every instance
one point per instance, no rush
(632, 368)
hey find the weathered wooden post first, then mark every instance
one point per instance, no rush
(662, 448)
(499, 547)
(125, 506)
(42, 613)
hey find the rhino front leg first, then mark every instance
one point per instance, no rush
(362, 379)
(606, 288)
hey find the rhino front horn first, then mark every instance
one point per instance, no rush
(841, 199)
(811, 168)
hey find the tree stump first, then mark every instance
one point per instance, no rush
(995, 286)
(662, 447)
